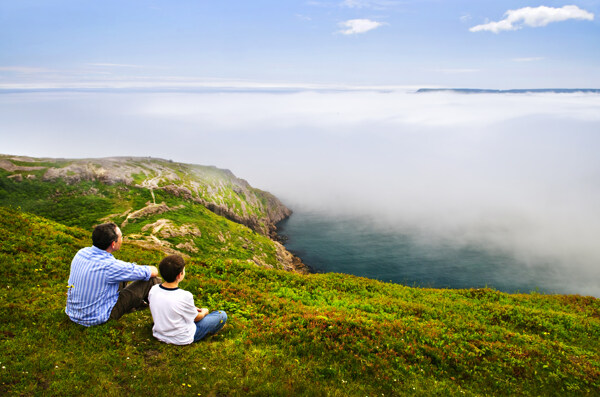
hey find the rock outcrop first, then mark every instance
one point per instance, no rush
(166, 229)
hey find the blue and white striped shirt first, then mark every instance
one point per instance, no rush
(94, 284)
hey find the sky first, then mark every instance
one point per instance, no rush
(474, 44)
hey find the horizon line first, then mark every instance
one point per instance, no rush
(233, 86)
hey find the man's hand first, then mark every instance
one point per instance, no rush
(201, 314)
(153, 271)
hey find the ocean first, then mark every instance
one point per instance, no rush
(359, 246)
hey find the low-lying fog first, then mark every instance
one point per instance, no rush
(516, 173)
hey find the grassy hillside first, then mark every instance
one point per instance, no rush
(288, 334)
(215, 188)
(181, 207)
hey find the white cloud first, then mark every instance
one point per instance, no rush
(353, 3)
(23, 69)
(114, 65)
(71, 81)
(303, 17)
(356, 26)
(376, 4)
(534, 17)
(529, 59)
(457, 71)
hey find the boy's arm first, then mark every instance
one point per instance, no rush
(153, 271)
(201, 314)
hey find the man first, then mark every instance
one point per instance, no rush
(94, 294)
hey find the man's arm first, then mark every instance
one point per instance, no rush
(201, 314)
(118, 271)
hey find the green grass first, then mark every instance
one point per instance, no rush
(38, 163)
(86, 203)
(208, 183)
(240, 242)
(288, 334)
(82, 204)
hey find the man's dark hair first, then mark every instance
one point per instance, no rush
(170, 267)
(104, 234)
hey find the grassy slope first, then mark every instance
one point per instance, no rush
(87, 203)
(325, 334)
(212, 184)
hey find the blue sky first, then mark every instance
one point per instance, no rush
(477, 44)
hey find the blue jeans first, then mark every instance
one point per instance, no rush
(210, 324)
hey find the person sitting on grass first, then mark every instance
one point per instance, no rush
(177, 320)
(98, 289)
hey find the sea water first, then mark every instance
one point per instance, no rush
(361, 247)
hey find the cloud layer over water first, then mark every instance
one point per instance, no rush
(514, 173)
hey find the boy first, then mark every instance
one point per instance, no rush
(176, 319)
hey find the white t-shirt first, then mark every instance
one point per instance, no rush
(173, 311)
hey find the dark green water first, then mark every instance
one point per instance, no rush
(356, 246)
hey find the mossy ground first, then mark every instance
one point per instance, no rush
(288, 334)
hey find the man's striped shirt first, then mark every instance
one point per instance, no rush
(94, 284)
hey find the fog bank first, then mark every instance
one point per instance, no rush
(514, 173)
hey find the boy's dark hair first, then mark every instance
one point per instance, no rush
(170, 267)
(104, 234)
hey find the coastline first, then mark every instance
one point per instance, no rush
(291, 260)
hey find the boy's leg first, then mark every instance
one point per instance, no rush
(132, 297)
(210, 324)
